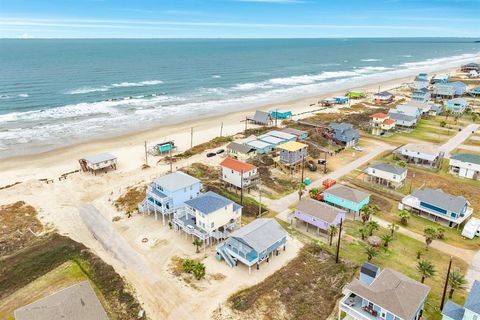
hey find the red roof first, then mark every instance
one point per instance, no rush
(380, 115)
(388, 121)
(236, 165)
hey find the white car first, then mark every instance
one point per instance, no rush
(357, 148)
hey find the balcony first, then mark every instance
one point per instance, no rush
(352, 306)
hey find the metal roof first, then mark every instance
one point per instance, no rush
(369, 269)
(260, 234)
(348, 193)
(319, 209)
(292, 146)
(473, 300)
(239, 147)
(258, 144)
(467, 157)
(296, 132)
(237, 165)
(281, 135)
(99, 158)
(389, 168)
(271, 139)
(176, 181)
(401, 116)
(77, 302)
(439, 198)
(453, 310)
(209, 202)
(261, 117)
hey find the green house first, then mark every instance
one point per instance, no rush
(355, 94)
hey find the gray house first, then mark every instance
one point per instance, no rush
(469, 311)
(292, 152)
(78, 302)
(345, 134)
(420, 154)
(386, 174)
(403, 120)
(261, 117)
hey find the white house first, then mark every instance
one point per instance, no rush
(386, 174)
(420, 154)
(465, 165)
(238, 173)
(99, 161)
(409, 109)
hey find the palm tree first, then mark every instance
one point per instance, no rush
(393, 227)
(332, 231)
(426, 269)
(387, 238)
(430, 234)
(313, 192)
(197, 243)
(199, 270)
(363, 232)
(367, 212)
(402, 164)
(443, 124)
(371, 252)
(456, 281)
(404, 216)
(448, 113)
(419, 253)
(372, 226)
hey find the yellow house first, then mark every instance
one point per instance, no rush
(240, 151)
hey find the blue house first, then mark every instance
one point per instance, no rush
(422, 76)
(281, 114)
(345, 197)
(261, 147)
(345, 134)
(341, 100)
(385, 295)
(253, 244)
(475, 92)
(440, 78)
(469, 311)
(421, 95)
(167, 194)
(457, 105)
(459, 86)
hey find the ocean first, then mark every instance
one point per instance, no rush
(58, 92)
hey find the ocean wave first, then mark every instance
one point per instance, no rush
(371, 60)
(84, 90)
(216, 76)
(7, 96)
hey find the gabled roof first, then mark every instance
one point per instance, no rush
(389, 168)
(270, 139)
(99, 158)
(388, 121)
(401, 117)
(295, 132)
(379, 115)
(292, 146)
(473, 300)
(236, 165)
(281, 135)
(319, 209)
(260, 234)
(421, 90)
(77, 302)
(394, 292)
(441, 199)
(176, 181)
(347, 193)
(369, 269)
(383, 94)
(467, 157)
(239, 147)
(209, 202)
(258, 144)
(262, 117)
(453, 310)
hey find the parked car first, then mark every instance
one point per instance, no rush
(311, 165)
(211, 154)
(322, 161)
(357, 148)
(220, 151)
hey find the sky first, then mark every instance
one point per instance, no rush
(238, 18)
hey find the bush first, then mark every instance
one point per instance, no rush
(188, 265)
(194, 267)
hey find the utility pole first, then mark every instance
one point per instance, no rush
(221, 129)
(276, 116)
(446, 284)
(146, 155)
(325, 164)
(171, 160)
(191, 138)
(246, 121)
(241, 188)
(338, 242)
(260, 200)
(300, 191)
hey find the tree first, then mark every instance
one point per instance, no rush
(430, 234)
(197, 243)
(443, 124)
(199, 270)
(426, 269)
(474, 117)
(402, 164)
(372, 226)
(363, 232)
(440, 233)
(332, 231)
(456, 281)
(387, 238)
(188, 265)
(367, 212)
(404, 216)
(393, 227)
(371, 252)
(419, 253)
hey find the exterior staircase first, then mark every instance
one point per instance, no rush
(228, 258)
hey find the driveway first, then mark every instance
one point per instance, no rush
(458, 139)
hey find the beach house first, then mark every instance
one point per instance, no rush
(257, 242)
(389, 175)
(470, 309)
(77, 302)
(261, 147)
(440, 78)
(403, 120)
(341, 100)
(381, 123)
(355, 94)
(285, 136)
(281, 114)
(345, 134)
(208, 216)
(239, 174)
(475, 92)
(240, 151)
(470, 67)
(421, 81)
(101, 161)
(409, 109)
(167, 194)
(292, 152)
(437, 205)
(421, 95)
(465, 165)
(383, 294)
(261, 118)
(435, 110)
(420, 154)
(300, 134)
(382, 97)
(273, 141)
(345, 197)
(457, 106)
(443, 90)
(318, 214)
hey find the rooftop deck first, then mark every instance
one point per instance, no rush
(352, 306)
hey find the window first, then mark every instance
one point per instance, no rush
(394, 177)
(212, 225)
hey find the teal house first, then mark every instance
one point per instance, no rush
(457, 105)
(469, 311)
(347, 198)
(281, 114)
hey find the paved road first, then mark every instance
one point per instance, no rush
(284, 203)
(458, 139)
(474, 269)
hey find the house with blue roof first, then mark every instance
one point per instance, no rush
(208, 216)
(261, 147)
(457, 106)
(345, 134)
(167, 194)
(257, 242)
(469, 311)
(440, 78)
(421, 95)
